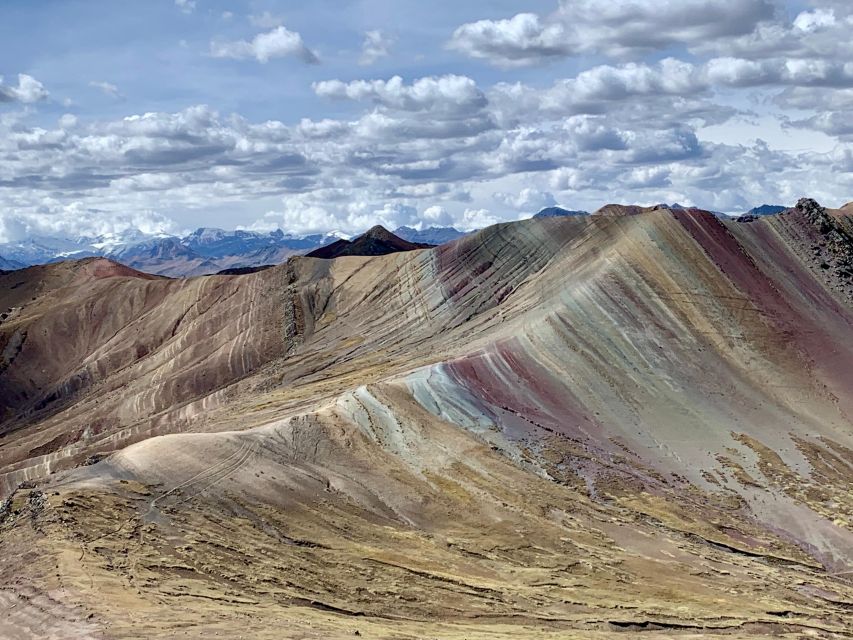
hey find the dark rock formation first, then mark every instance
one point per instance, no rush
(378, 241)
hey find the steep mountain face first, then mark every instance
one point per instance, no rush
(431, 235)
(560, 427)
(556, 212)
(377, 241)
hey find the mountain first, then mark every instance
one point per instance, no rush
(10, 265)
(431, 235)
(584, 426)
(41, 250)
(765, 210)
(166, 257)
(757, 212)
(377, 241)
(554, 212)
(204, 251)
(218, 243)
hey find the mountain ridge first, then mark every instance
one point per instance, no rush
(205, 251)
(493, 436)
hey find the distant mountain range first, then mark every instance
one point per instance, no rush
(432, 235)
(210, 250)
(202, 252)
(9, 265)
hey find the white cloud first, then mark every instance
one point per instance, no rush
(521, 40)
(739, 72)
(376, 45)
(187, 6)
(476, 219)
(68, 121)
(27, 91)
(443, 93)
(603, 26)
(75, 219)
(604, 88)
(436, 216)
(528, 200)
(280, 42)
(811, 21)
(107, 88)
(441, 150)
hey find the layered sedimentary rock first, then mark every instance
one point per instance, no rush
(559, 427)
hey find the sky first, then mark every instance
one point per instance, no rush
(335, 115)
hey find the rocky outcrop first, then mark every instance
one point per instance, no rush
(832, 249)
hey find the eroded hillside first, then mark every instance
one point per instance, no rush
(637, 421)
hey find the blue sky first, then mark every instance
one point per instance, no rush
(168, 115)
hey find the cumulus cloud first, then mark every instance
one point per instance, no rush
(739, 72)
(376, 45)
(815, 34)
(838, 124)
(811, 21)
(670, 76)
(68, 121)
(74, 220)
(611, 28)
(670, 87)
(521, 40)
(808, 98)
(528, 200)
(435, 216)
(348, 175)
(280, 42)
(27, 91)
(304, 214)
(443, 93)
(476, 219)
(445, 150)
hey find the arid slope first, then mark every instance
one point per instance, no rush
(554, 428)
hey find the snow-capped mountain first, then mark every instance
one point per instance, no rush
(204, 251)
(431, 235)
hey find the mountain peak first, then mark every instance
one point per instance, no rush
(376, 241)
(558, 212)
(379, 232)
